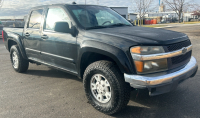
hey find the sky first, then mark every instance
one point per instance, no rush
(22, 7)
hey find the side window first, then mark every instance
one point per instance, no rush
(56, 15)
(35, 19)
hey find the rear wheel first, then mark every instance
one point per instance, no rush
(18, 62)
(105, 87)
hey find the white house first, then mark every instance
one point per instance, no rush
(132, 16)
(122, 11)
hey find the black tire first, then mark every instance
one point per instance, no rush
(23, 64)
(120, 89)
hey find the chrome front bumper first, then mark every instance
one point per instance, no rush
(152, 81)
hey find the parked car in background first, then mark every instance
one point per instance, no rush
(101, 47)
(13, 24)
(1, 29)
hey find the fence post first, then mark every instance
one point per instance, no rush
(142, 21)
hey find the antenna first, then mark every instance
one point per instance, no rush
(85, 2)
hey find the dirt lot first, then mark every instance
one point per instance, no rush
(47, 93)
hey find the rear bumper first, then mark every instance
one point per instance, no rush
(162, 83)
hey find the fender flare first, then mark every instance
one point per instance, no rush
(116, 54)
(16, 38)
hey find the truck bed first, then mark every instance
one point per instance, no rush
(18, 31)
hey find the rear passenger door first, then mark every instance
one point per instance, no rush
(32, 35)
(58, 49)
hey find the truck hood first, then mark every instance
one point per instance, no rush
(142, 35)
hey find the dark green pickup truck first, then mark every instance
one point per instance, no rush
(101, 47)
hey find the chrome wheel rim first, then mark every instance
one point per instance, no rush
(15, 60)
(100, 88)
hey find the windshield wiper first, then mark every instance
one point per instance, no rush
(120, 24)
(96, 27)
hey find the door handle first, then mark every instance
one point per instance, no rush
(27, 34)
(44, 37)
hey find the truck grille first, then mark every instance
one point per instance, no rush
(181, 58)
(178, 46)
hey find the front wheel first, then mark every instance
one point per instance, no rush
(105, 87)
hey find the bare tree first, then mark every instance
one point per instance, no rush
(195, 7)
(1, 3)
(142, 7)
(178, 6)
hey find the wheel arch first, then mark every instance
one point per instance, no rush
(99, 52)
(16, 40)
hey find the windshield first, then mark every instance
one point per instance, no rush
(97, 17)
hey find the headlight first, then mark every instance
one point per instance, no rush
(145, 50)
(149, 66)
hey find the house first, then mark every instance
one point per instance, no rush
(132, 16)
(122, 11)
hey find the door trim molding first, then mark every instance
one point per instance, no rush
(53, 55)
(75, 73)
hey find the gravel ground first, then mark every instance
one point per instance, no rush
(47, 93)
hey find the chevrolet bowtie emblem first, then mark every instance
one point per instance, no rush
(184, 50)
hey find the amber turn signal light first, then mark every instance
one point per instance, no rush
(139, 66)
(136, 50)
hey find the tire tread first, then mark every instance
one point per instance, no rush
(124, 88)
(23, 63)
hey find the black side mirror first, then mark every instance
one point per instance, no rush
(62, 27)
(74, 31)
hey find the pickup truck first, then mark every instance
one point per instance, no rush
(101, 47)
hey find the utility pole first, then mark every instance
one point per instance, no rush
(140, 13)
(143, 12)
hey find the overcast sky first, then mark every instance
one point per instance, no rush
(22, 7)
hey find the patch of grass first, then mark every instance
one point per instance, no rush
(153, 26)
(191, 22)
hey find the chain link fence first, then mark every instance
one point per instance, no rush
(161, 20)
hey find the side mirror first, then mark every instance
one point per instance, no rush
(62, 27)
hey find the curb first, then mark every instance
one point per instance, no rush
(165, 27)
(178, 25)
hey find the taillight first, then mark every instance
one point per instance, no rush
(2, 36)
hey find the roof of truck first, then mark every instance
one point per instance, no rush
(65, 5)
